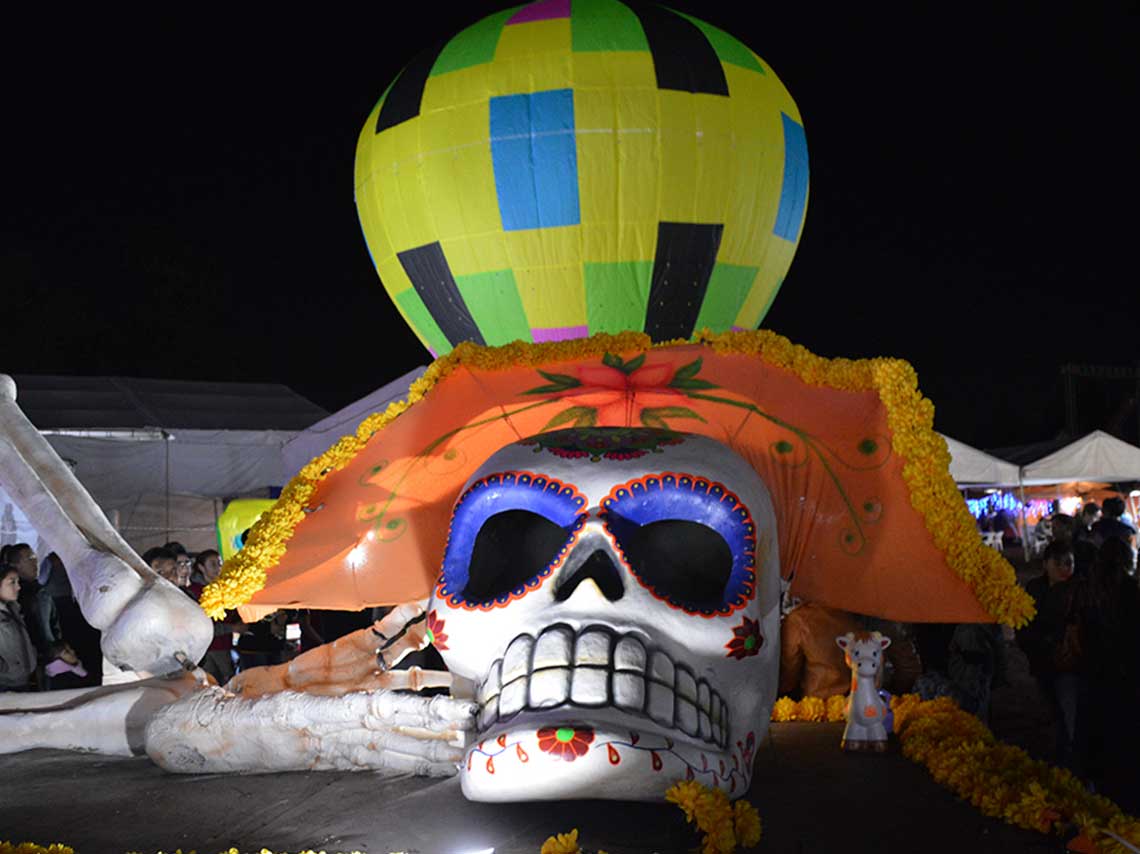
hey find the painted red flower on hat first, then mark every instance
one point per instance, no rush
(745, 641)
(618, 393)
(565, 742)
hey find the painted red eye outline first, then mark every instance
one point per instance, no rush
(652, 498)
(550, 498)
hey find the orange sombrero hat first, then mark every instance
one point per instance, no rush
(869, 519)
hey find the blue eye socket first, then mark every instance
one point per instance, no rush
(508, 533)
(689, 541)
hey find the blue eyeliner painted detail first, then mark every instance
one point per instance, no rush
(498, 493)
(672, 496)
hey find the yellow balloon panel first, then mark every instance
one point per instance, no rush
(573, 166)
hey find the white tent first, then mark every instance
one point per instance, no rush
(318, 438)
(162, 457)
(1095, 457)
(971, 467)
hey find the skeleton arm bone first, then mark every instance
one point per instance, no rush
(146, 621)
(212, 731)
(109, 720)
(187, 728)
(332, 708)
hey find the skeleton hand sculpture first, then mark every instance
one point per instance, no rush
(335, 707)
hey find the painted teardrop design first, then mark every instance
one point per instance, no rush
(615, 757)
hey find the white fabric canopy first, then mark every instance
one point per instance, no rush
(318, 438)
(161, 457)
(1096, 457)
(970, 466)
(172, 484)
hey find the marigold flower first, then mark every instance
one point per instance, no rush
(685, 794)
(837, 708)
(747, 823)
(562, 843)
(812, 709)
(784, 709)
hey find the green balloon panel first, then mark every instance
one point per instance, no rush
(578, 166)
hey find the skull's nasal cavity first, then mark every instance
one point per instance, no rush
(599, 567)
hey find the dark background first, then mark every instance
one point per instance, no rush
(177, 196)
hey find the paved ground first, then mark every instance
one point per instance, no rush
(811, 796)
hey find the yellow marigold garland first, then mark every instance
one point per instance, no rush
(1001, 780)
(564, 843)
(810, 709)
(724, 824)
(57, 848)
(910, 417)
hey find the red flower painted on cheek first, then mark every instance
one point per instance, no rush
(746, 640)
(435, 633)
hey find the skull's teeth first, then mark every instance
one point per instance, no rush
(629, 691)
(553, 648)
(516, 662)
(513, 698)
(549, 687)
(595, 669)
(590, 686)
(629, 654)
(593, 648)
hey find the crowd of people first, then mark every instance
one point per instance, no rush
(1083, 647)
(1082, 650)
(40, 625)
(45, 644)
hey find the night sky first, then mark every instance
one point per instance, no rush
(178, 196)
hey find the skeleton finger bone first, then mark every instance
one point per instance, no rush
(345, 665)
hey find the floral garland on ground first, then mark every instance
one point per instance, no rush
(910, 417)
(726, 825)
(1001, 780)
(810, 709)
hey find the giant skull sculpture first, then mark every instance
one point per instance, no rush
(613, 595)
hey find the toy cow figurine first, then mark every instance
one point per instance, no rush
(866, 711)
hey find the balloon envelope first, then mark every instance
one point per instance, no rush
(565, 168)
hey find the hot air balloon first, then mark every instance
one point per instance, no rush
(565, 168)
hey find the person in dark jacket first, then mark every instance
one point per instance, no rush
(1110, 636)
(1112, 525)
(1044, 643)
(17, 654)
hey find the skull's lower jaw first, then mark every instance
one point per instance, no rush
(558, 756)
(575, 761)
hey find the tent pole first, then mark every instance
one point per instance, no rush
(1024, 535)
(166, 437)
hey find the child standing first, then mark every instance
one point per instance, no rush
(17, 655)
